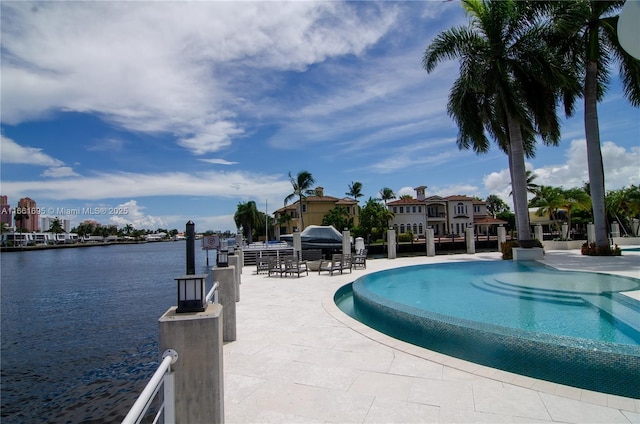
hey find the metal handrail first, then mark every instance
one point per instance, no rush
(212, 295)
(162, 375)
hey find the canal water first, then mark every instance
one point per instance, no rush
(79, 328)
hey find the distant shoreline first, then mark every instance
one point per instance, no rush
(72, 245)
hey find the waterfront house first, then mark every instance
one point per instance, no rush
(313, 209)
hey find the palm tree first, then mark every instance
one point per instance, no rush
(509, 85)
(247, 217)
(302, 187)
(56, 226)
(355, 190)
(575, 199)
(588, 30)
(127, 229)
(19, 218)
(387, 194)
(549, 200)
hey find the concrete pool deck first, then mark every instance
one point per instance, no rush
(298, 358)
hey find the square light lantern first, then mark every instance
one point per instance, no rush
(192, 293)
(222, 258)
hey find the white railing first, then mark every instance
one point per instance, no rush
(162, 377)
(212, 296)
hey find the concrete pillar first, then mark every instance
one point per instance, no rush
(199, 376)
(346, 242)
(227, 298)
(430, 242)
(537, 232)
(615, 229)
(502, 237)
(234, 260)
(565, 232)
(470, 238)
(297, 245)
(591, 233)
(391, 243)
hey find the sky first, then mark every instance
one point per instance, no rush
(154, 113)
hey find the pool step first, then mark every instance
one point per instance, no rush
(618, 307)
(505, 289)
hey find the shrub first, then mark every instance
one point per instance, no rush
(405, 237)
(593, 250)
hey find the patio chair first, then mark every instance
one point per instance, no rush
(275, 266)
(338, 262)
(360, 259)
(295, 266)
(262, 265)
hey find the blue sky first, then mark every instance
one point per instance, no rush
(179, 111)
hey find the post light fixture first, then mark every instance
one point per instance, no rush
(192, 293)
(222, 257)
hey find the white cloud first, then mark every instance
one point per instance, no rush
(59, 172)
(135, 217)
(132, 185)
(218, 161)
(118, 59)
(621, 169)
(12, 152)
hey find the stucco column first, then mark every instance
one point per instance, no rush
(199, 376)
(430, 242)
(537, 232)
(391, 243)
(225, 276)
(502, 236)
(234, 260)
(297, 245)
(346, 242)
(615, 229)
(470, 239)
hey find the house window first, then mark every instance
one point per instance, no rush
(419, 209)
(304, 208)
(401, 209)
(415, 228)
(460, 209)
(395, 209)
(476, 208)
(402, 228)
(420, 228)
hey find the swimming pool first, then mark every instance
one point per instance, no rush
(573, 328)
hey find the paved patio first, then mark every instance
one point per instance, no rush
(299, 359)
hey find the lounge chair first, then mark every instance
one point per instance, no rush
(360, 259)
(295, 266)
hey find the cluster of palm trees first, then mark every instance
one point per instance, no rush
(622, 205)
(520, 60)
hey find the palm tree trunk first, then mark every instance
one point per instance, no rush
(518, 180)
(594, 156)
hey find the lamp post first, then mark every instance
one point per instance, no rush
(191, 293)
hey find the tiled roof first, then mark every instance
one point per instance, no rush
(405, 201)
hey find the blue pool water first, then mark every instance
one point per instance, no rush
(523, 317)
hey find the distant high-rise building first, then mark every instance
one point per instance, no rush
(28, 210)
(5, 211)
